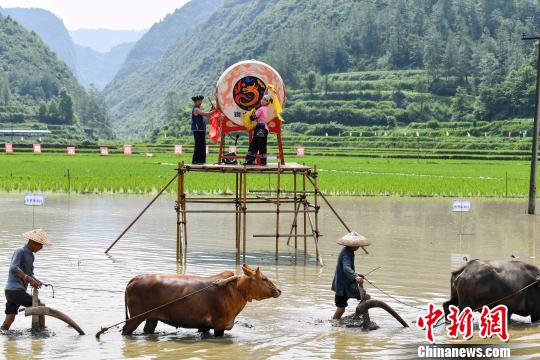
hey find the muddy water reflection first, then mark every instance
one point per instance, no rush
(415, 241)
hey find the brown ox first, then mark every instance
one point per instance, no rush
(213, 308)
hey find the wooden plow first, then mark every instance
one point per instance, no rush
(37, 310)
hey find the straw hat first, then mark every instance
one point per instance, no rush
(37, 235)
(353, 239)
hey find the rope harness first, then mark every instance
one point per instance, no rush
(219, 282)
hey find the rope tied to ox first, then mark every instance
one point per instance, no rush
(219, 282)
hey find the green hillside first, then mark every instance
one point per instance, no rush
(472, 46)
(50, 28)
(38, 91)
(154, 43)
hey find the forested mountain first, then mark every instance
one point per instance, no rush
(50, 28)
(38, 90)
(472, 46)
(149, 49)
(104, 40)
(89, 65)
(100, 68)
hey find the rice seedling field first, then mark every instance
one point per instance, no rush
(136, 174)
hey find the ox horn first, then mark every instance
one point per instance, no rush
(44, 310)
(364, 306)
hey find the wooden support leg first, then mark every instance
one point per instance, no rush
(244, 209)
(316, 240)
(220, 156)
(316, 203)
(277, 210)
(304, 201)
(295, 213)
(280, 148)
(238, 215)
(294, 226)
(184, 214)
(179, 216)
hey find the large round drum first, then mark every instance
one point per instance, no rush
(243, 85)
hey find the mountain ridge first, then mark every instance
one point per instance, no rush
(471, 47)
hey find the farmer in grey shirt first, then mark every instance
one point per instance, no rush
(21, 273)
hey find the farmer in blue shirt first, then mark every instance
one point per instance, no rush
(347, 281)
(21, 274)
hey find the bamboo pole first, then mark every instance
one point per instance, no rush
(180, 178)
(244, 209)
(280, 235)
(183, 208)
(295, 214)
(238, 216)
(315, 177)
(304, 200)
(247, 211)
(316, 240)
(141, 213)
(295, 227)
(277, 210)
(332, 208)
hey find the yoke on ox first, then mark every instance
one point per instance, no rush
(490, 283)
(195, 302)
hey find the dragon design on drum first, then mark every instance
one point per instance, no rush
(248, 91)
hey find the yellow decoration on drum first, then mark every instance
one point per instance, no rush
(246, 119)
(275, 102)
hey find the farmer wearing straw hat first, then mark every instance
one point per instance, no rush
(21, 273)
(346, 281)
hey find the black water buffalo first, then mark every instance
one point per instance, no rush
(481, 282)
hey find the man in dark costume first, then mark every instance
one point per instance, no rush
(198, 126)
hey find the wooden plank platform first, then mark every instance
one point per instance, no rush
(271, 168)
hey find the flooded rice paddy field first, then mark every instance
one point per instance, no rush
(414, 241)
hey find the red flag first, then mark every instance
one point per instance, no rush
(213, 134)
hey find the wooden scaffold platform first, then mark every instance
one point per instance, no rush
(300, 205)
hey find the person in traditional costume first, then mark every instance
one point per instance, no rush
(198, 126)
(260, 134)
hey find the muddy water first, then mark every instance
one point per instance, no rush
(415, 241)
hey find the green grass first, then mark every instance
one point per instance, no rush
(338, 175)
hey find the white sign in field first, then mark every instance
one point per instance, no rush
(34, 199)
(461, 205)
